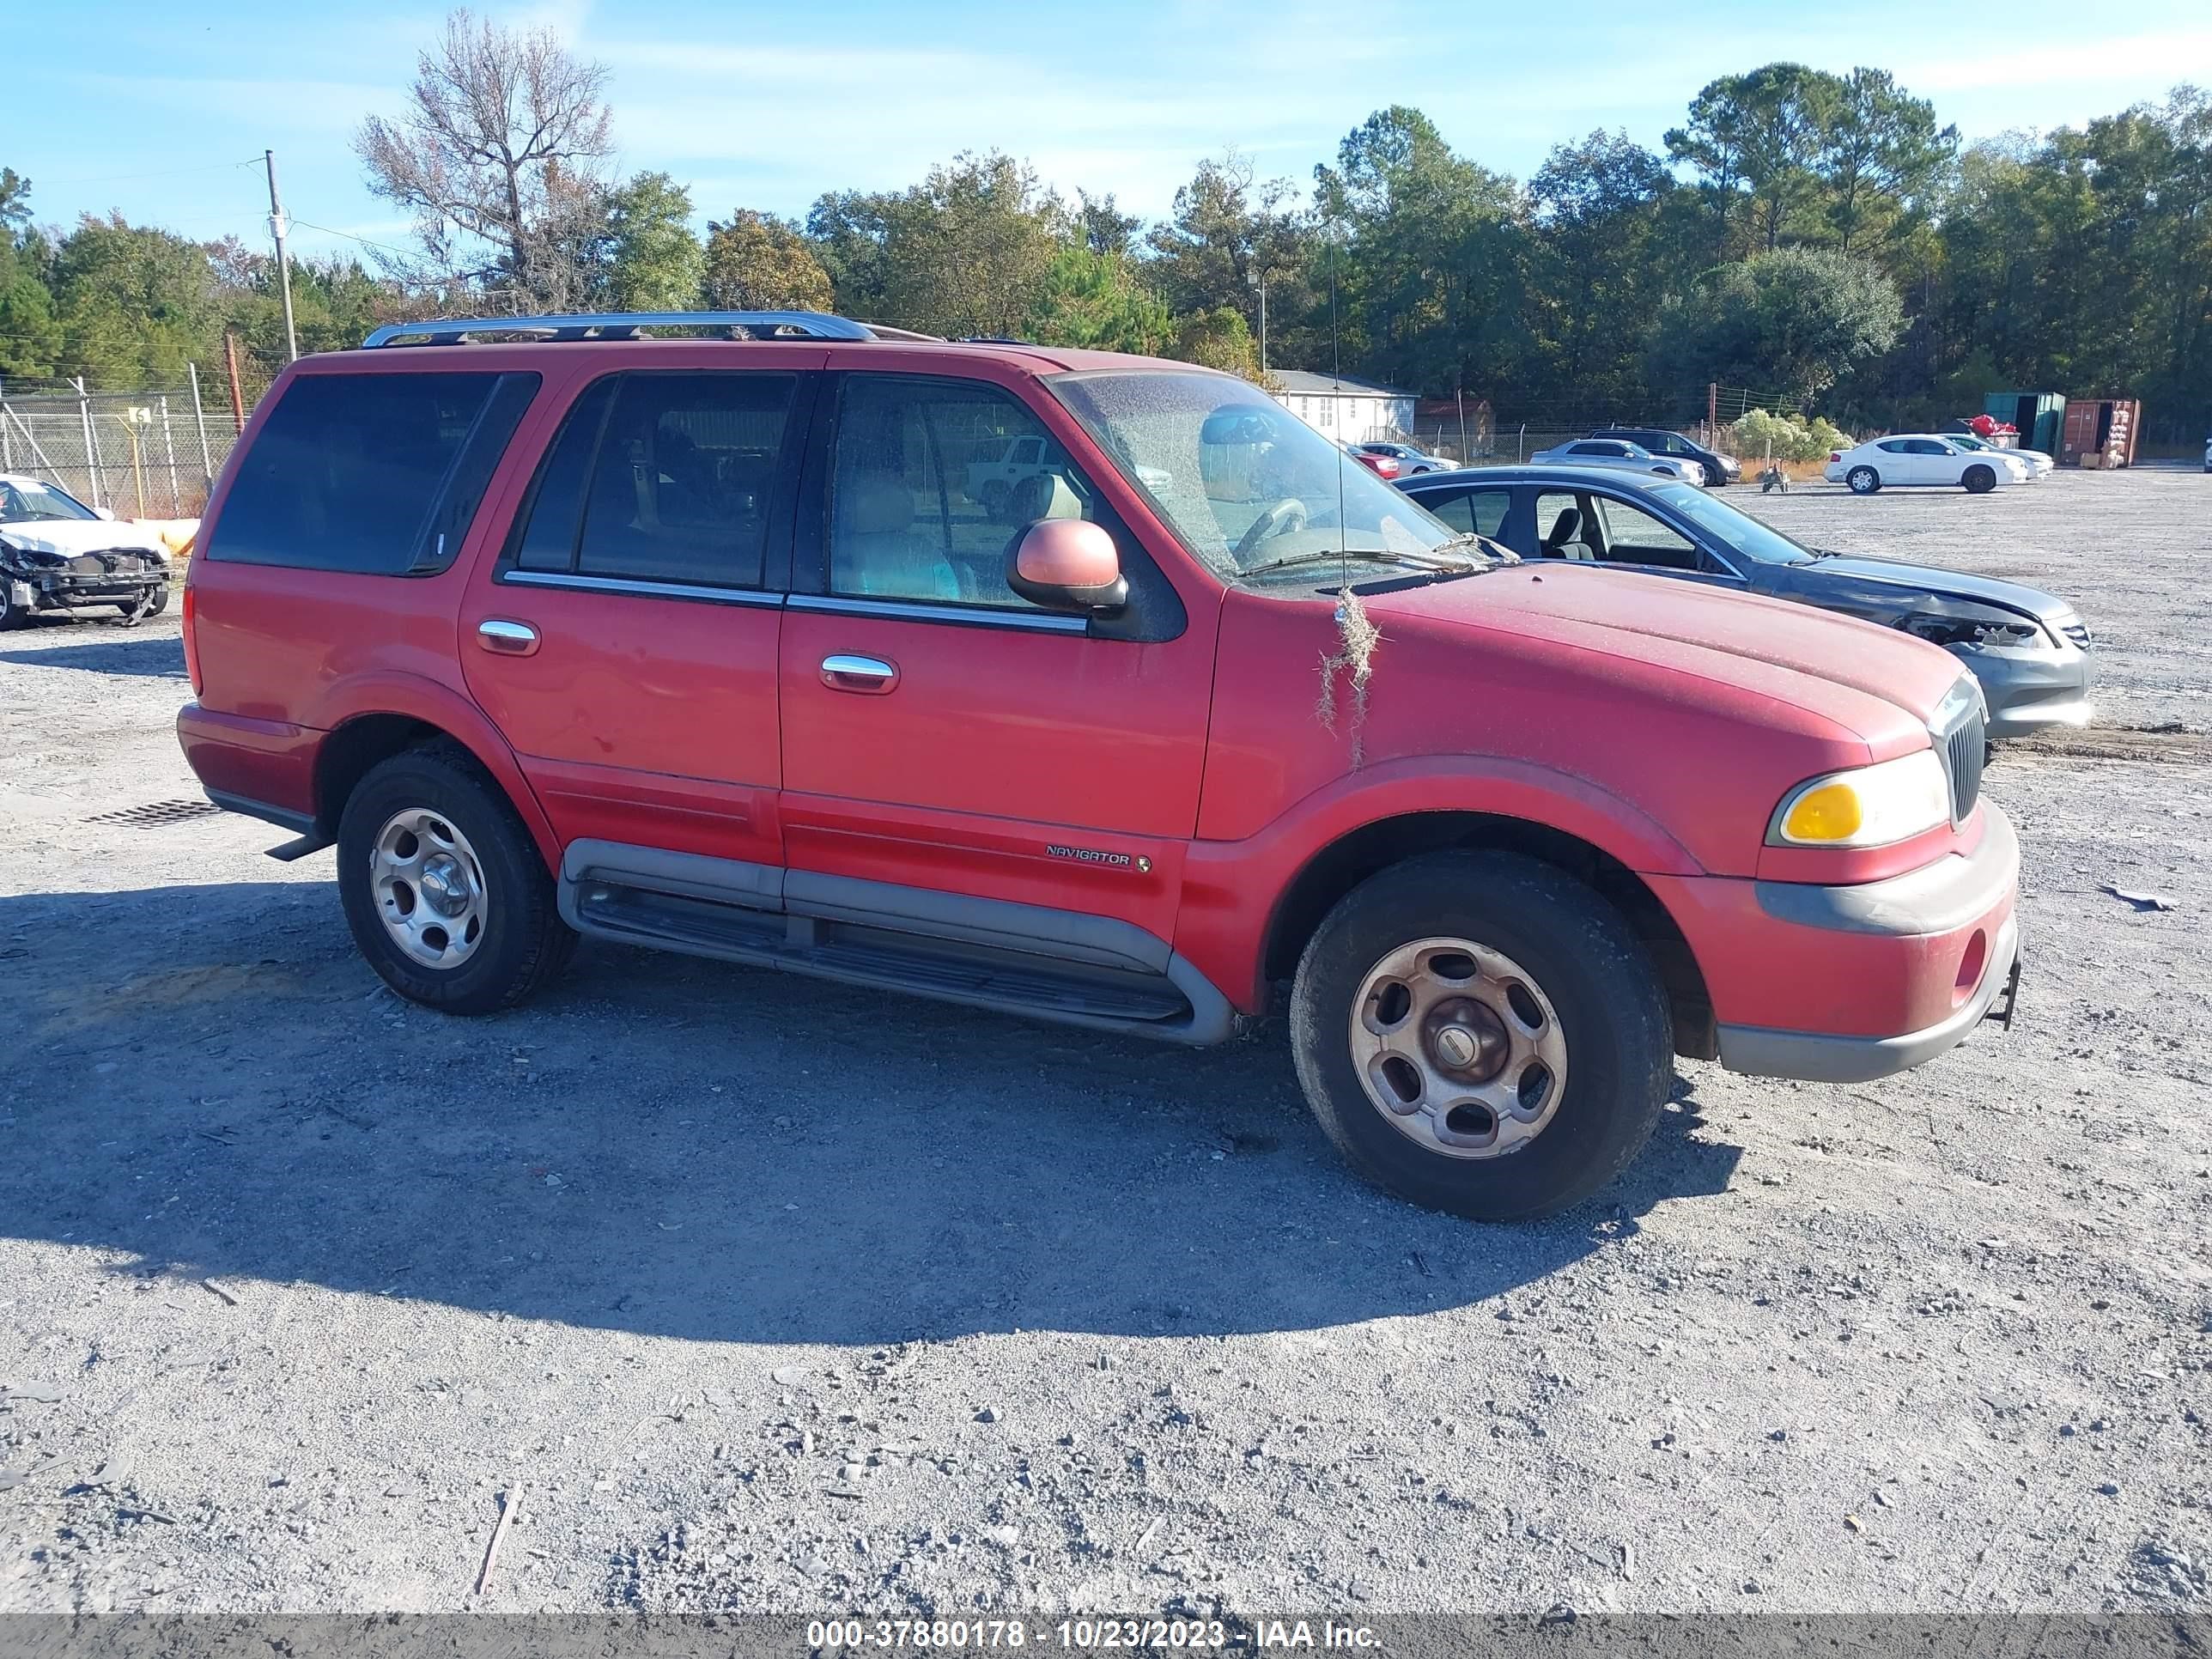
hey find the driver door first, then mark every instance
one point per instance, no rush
(941, 733)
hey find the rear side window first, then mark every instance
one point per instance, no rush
(662, 477)
(1481, 512)
(377, 475)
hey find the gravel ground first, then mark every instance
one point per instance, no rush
(762, 1297)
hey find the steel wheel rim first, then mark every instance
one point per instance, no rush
(1458, 1047)
(428, 885)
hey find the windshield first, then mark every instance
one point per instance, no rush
(1753, 537)
(1244, 483)
(28, 502)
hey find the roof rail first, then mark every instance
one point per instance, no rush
(624, 325)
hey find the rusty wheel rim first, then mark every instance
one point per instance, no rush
(1458, 1047)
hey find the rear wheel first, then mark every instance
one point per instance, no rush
(443, 888)
(1978, 480)
(1863, 480)
(1481, 1034)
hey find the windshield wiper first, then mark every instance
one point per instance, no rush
(1473, 542)
(1364, 556)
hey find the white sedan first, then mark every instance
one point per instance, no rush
(2039, 463)
(1619, 453)
(1923, 457)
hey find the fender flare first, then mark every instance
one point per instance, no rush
(1235, 892)
(415, 697)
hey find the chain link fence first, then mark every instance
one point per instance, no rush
(145, 454)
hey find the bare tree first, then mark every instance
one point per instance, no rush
(501, 156)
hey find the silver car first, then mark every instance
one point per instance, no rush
(1620, 455)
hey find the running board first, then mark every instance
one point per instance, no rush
(987, 953)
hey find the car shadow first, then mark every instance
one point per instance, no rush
(148, 656)
(208, 1081)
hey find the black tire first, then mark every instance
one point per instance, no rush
(1978, 480)
(525, 943)
(130, 615)
(996, 496)
(161, 600)
(1586, 960)
(1863, 481)
(12, 616)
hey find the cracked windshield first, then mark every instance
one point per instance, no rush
(1248, 486)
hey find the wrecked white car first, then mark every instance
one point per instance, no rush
(57, 554)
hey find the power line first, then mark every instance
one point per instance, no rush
(308, 224)
(170, 173)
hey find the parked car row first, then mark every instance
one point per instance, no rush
(2028, 650)
(711, 645)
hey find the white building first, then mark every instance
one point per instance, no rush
(1348, 410)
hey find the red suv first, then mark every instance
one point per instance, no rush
(718, 643)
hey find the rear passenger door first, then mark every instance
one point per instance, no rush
(624, 641)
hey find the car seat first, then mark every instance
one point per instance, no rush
(1565, 540)
(874, 550)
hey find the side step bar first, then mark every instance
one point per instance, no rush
(1052, 964)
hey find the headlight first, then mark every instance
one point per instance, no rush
(1961, 622)
(1867, 806)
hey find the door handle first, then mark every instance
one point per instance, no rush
(509, 639)
(871, 677)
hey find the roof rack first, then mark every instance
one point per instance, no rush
(624, 325)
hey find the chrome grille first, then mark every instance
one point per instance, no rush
(1964, 748)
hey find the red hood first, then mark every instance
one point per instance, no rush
(1852, 672)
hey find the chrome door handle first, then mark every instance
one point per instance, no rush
(509, 639)
(872, 677)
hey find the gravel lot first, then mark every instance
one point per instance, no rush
(763, 1296)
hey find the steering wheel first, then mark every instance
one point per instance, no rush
(1286, 518)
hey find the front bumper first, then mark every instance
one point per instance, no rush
(1842, 984)
(63, 590)
(2029, 689)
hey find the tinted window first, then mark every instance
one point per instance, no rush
(548, 541)
(1896, 446)
(1634, 536)
(1480, 510)
(920, 508)
(367, 473)
(682, 481)
(1597, 449)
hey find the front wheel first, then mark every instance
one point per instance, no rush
(1863, 480)
(1481, 1034)
(443, 888)
(1979, 480)
(13, 615)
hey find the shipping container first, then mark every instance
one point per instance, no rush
(2039, 416)
(2103, 427)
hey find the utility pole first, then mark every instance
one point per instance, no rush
(1259, 281)
(1712, 410)
(237, 397)
(283, 259)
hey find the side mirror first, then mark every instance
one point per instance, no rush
(107, 513)
(1067, 564)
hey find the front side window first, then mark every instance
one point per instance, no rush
(920, 505)
(361, 471)
(1635, 536)
(1241, 480)
(34, 502)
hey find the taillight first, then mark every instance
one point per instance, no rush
(1835, 455)
(191, 638)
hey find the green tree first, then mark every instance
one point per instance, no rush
(1218, 338)
(1755, 139)
(1096, 301)
(1794, 321)
(1227, 231)
(16, 203)
(756, 261)
(653, 262)
(963, 252)
(1880, 157)
(135, 303)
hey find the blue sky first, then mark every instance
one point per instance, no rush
(149, 107)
